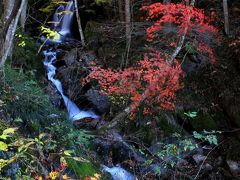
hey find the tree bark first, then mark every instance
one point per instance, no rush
(128, 29)
(120, 10)
(6, 43)
(24, 16)
(79, 23)
(182, 39)
(226, 19)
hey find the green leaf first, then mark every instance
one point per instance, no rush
(191, 114)
(18, 120)
(4, 136)
(197, 135)
(3, 146)
(81, 169)
(9, 131)
(67, 152)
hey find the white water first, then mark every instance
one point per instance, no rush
(118, 173)
(50, 56)
(74, 112)
(66, 20)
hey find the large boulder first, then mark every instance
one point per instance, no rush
(71, 79)
(99, 100)
(71, 57)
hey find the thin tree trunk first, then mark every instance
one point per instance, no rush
(79, 23)
(24, 16)
(226, 19)
(7, 45)
(120, 10)
(181, 41)
(128, 28)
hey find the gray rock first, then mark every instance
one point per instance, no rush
(234, 167)
(198, 158)
(99, 100)
(71, 57)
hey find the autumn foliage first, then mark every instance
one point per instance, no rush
(189, 21)
(182, 16)
(153, 81)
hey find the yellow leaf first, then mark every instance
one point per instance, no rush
(3, 146)
(9, 131)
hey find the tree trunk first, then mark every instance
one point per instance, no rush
(79, 23)
(24, 16)
(120, 10)
(10, 26)
(226, 19)
(128, 29)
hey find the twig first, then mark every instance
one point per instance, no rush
(206, 158)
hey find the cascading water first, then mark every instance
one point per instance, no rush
(74, 112)
(50, 56)
(67, 20)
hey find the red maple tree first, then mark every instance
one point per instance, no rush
(154, 80)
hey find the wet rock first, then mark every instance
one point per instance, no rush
(71, 57)
(198, 158)
(99, 101)
(71, 79)
(234, 167)
(59, 63)
(86, 123)
(54, 96)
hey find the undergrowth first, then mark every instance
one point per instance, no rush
(44, 143)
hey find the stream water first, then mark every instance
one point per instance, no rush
(63, 17)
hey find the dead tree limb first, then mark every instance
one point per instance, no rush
(79, 23)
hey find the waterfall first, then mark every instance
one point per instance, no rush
(63, 28)
(62, 21)
(66, 20)
(74, 112)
